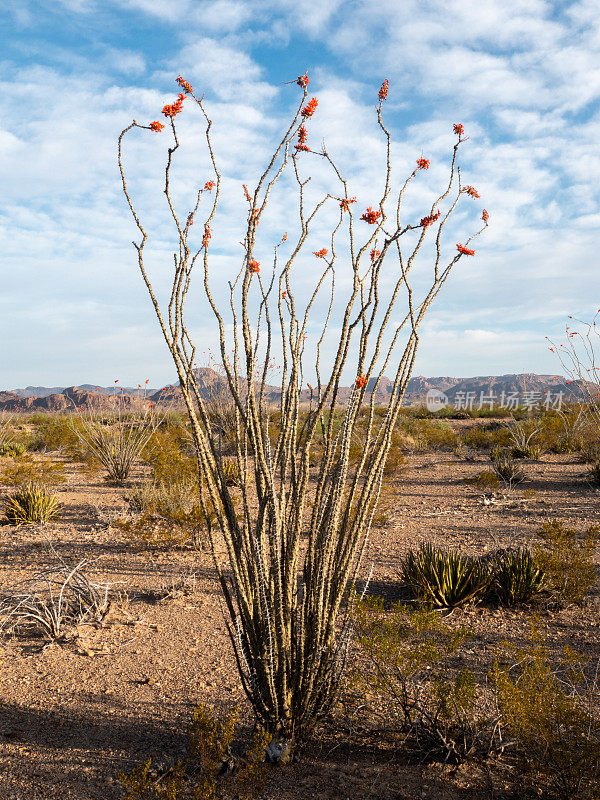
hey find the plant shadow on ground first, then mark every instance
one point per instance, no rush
(89, 748)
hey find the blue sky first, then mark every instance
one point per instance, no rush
(523, 77)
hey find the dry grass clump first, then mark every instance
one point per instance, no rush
(53, 601)
(485, 480)
(211, 771)
(31, 504)
(506, 469)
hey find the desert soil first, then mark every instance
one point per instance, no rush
(74, 714)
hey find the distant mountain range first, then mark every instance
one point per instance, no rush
(460, 392)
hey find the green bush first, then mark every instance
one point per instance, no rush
(210, 772)
(566, 559)
(31, 504)
(443, 578)
(405, 666)
(551, 710)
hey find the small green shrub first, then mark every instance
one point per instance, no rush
(485, 480)
(210, 772)
(486, 437)
(443, 578)
(13, 449)
(566, 559)
(31, 504)
(516, 576)
(551, 710)
(26, 471)
(405, 666)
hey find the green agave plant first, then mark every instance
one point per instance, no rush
(445, 579)
(516, 576)
(32, 504)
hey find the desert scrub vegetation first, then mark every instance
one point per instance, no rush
(211, 770)
(506, 468)
(26, 470)
(551, 707)
(31, 504)
(448, 578)
(444, 579)
(566, 557)
(297, 543)
(408, 662)
(117, 438)
(53, 601)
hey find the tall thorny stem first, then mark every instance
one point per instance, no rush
(289, 570)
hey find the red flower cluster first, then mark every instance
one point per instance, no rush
(302, 134)
(375, 254)
(156, 126)
(458, 129)
(284, 295)
(209, 186)
(310, 108)
(370, 216)
(190, 219)
(175, 108)
(485, 216)
(345, 203)
(321, 253)
(471, 191)
(422, 163)
(246, 193)
(383, 92)
(254, 215)
(207, 235)
(284, 237)
(360, 382)
(430, 219)
(305, 148)
(464, 251)
(253, 266)
(187, 88)
(303, 80)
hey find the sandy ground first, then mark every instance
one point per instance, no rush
(75, 714)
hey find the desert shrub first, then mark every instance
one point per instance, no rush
(13, 449)
(405, 658)
(594, 474)
(31, 504)
(445, 579)
(524, 438)
(53, 600)
(426, 434)
(211, 771)
(171, 513)
(169, 453)
(567, 430)
(516, 576)
(566, 559)
(508, 471)
(485, 437)
(552, 711)
(26, 470)
(486, 480)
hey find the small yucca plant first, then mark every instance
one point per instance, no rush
(516, 576)
(31, 504)
(507, 470)
(445, 579)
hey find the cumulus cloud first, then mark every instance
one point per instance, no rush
(523, 78)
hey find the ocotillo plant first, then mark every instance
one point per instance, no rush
(298, 545)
